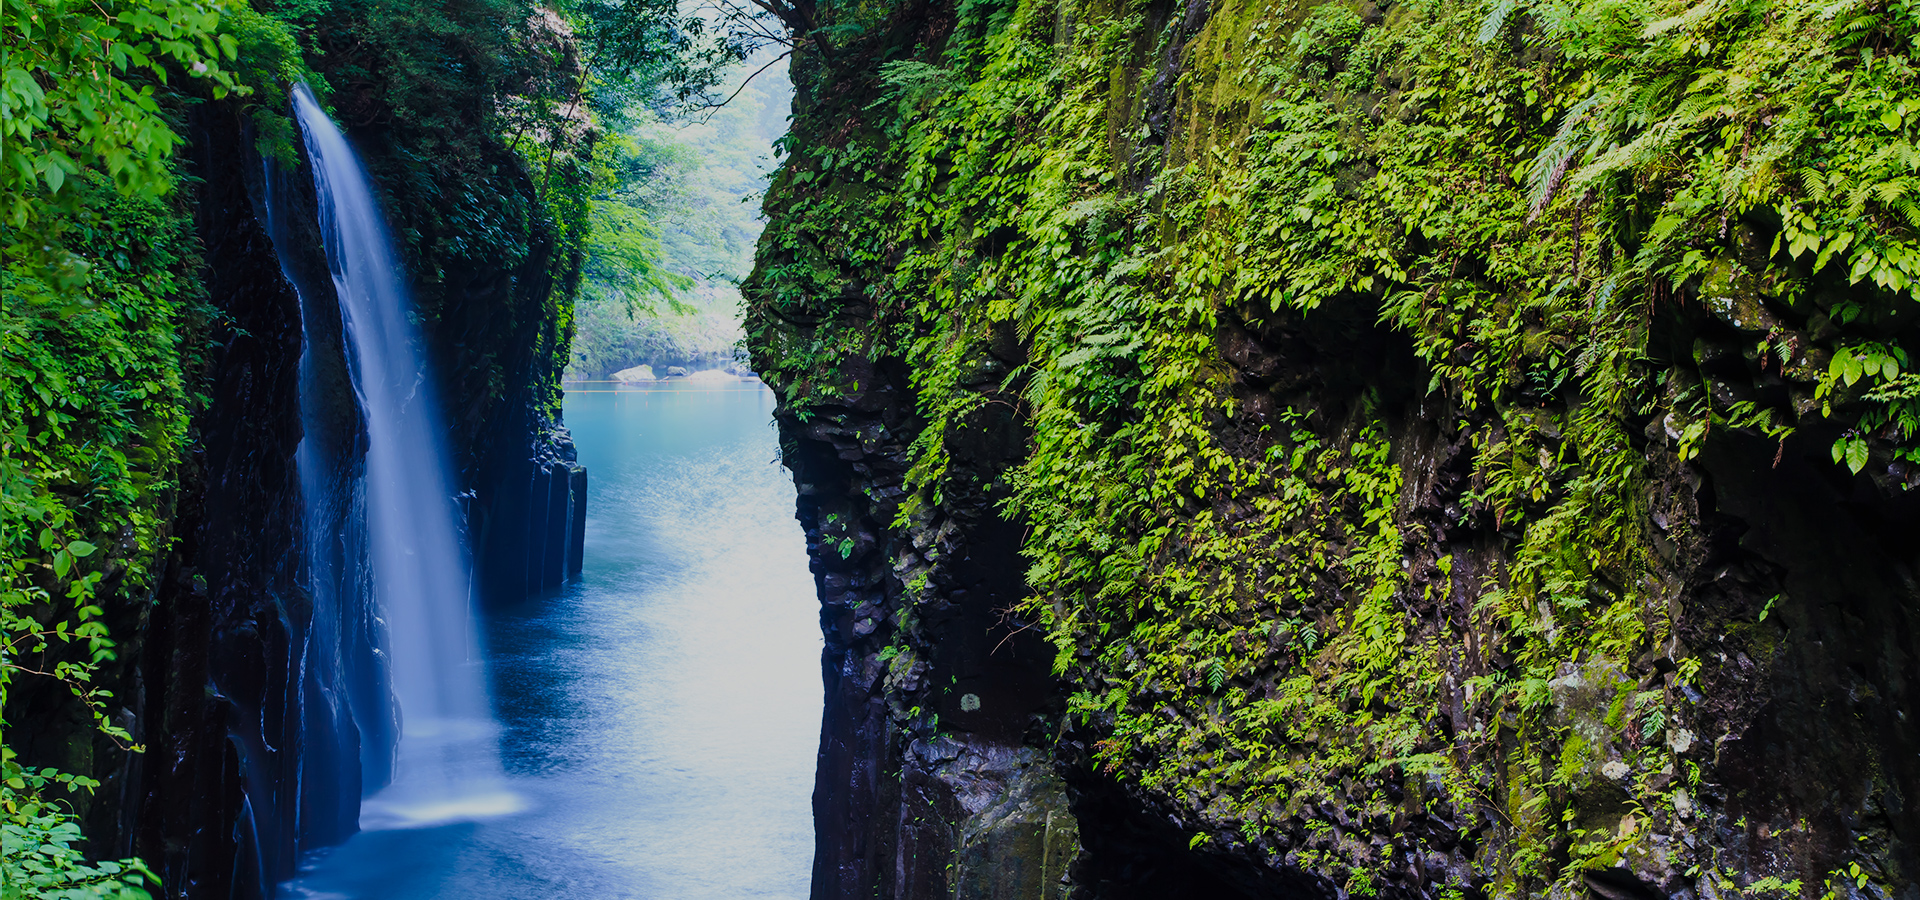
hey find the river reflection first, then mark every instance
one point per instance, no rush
(659, 714)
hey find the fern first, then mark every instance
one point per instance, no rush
(912, 83)
(1551, 165)
(1496, 20)
(1700, 14)
(1813, 184)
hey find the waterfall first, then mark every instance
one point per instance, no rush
(445, 765)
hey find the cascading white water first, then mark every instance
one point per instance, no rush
(447, 764)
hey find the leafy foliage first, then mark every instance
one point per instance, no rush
(41, 860)
(99, 302)
(95, 414)
(651, 55)
(94, 287)
(78, 93)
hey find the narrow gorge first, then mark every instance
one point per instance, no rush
(1202, 448)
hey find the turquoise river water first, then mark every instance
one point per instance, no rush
(658, 715)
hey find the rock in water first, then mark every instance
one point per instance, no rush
(676, 372)
(637, 373)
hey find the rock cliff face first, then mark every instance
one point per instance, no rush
(1403, 450)
(922, 615)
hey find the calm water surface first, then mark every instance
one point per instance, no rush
(659, 714)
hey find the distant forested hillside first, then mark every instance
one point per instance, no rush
(696, 178)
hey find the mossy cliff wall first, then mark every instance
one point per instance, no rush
(1353, 449)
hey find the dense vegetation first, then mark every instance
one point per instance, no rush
(1371, 354)
(1500, 209)
(101, 318)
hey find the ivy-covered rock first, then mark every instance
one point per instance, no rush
(1453, 449)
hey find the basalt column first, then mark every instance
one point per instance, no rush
(217, 712)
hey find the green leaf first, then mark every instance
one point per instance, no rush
(1857, 454)
(81, 549)
(62, 562)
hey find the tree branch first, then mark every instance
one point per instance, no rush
(711, 108)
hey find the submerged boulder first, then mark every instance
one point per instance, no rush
(637, 373)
